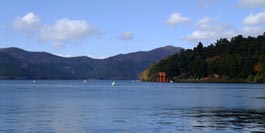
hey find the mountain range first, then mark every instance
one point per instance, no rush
(17, 63)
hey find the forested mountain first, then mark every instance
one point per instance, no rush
(237, 60)
(20, 64)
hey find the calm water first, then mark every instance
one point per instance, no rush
(97, 107)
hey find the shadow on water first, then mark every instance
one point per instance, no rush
(260, 98)
(199, 119)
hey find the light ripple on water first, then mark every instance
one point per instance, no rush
(72, 106)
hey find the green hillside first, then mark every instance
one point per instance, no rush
(237, 60)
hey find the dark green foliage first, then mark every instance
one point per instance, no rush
(238, 60)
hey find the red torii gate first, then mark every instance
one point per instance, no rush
(163, 77)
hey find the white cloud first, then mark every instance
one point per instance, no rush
(254, 24)
(66, 30)
(73, 56)
(253, 30)
(126, 36)
(255, 19)
(62, 32)
(28, 24)
(176, 18)
(201, 35)
(250, 3)
(97, 57)
(64, 55)
(207, 30)
(204, 23)
(204, 4)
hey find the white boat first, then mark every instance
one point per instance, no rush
(85, 81)
(113, 83)
(34, 81)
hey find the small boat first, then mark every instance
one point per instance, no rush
(84, 81)
(113, 83)
(171, 81)
(34, 81)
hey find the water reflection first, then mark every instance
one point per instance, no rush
(67, 107)
(215, 120)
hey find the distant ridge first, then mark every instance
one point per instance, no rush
(17, 63)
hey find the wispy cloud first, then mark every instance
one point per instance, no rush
(250, 3)
(254, 24)
(126, 36)
(176, 18)
(207, 29)
(255, 19)
(204, 4)
(253, 30)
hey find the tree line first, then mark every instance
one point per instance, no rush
(240, 59)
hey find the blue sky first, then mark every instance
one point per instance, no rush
(103, 28)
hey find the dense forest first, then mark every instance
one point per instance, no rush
(241, 59)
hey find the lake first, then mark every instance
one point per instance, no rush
(97, 107)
